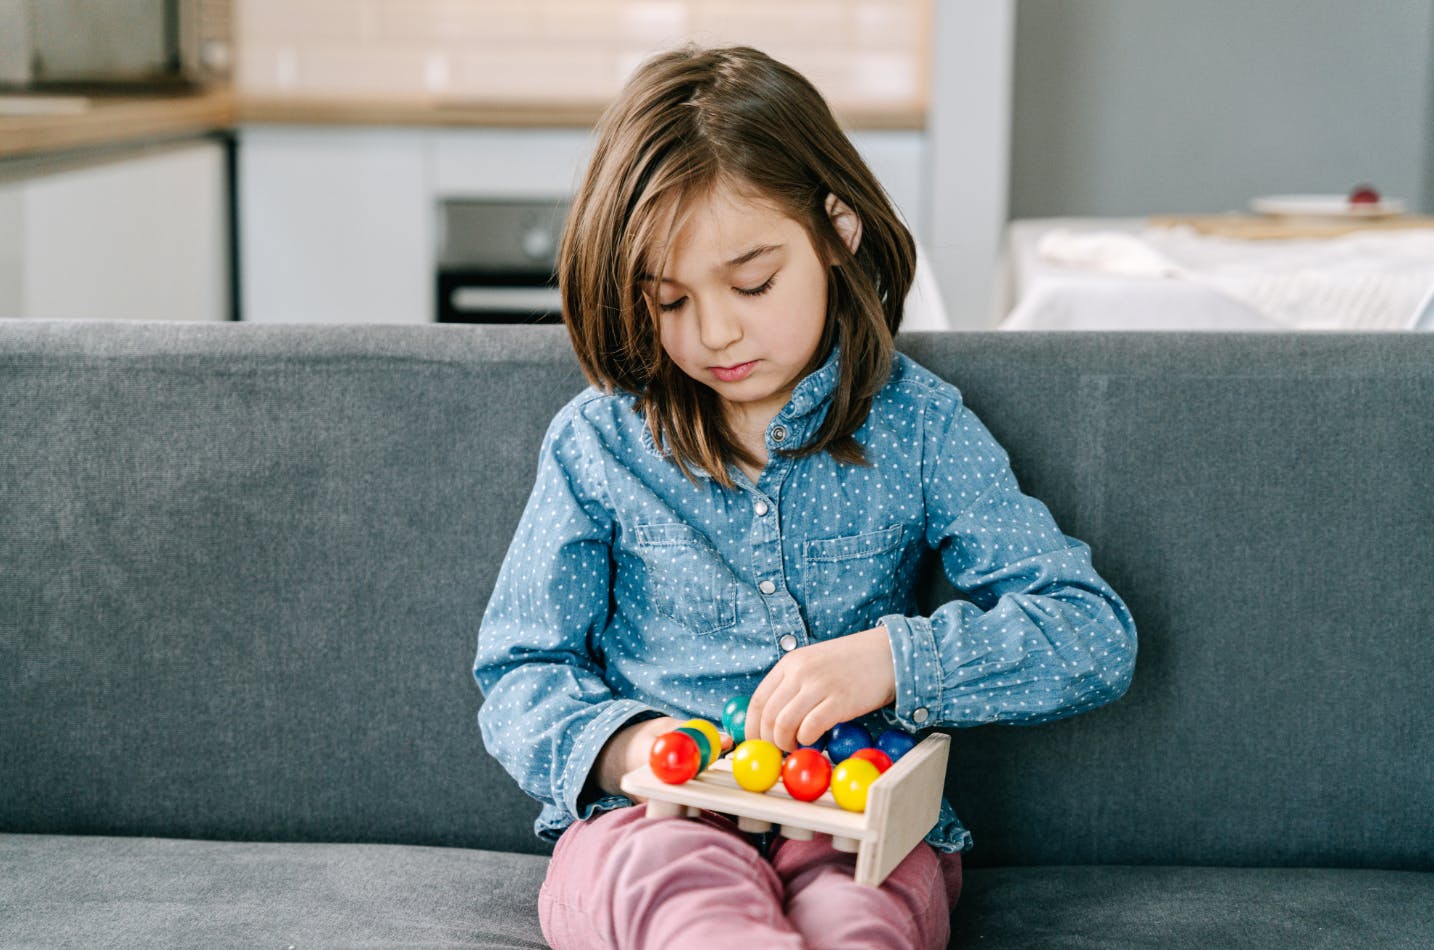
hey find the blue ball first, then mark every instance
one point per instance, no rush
(846, 738)
(895, 743)
(819, 745)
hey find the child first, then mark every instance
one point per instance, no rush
(740, 505)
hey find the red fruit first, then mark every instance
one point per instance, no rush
(876, 757)
(675, 758)
(806, 773)
(1364, 195)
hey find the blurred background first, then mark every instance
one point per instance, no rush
(408, 161)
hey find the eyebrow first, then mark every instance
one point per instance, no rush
(743, 258)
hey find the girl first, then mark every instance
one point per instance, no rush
(741, 505)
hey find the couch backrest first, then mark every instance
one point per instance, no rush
(241, 571)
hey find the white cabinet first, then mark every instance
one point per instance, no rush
(340, 224)
(140, 236)
(335, 226)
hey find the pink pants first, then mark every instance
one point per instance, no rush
(624, 880)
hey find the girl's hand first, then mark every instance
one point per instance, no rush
(814, 688)
(630, 749)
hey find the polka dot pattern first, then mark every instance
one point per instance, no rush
(630, 591)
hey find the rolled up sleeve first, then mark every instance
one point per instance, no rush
(1039, 635)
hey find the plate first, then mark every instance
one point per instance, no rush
(1325, 206)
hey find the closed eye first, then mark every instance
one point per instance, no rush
(757, 291)
(766, 285)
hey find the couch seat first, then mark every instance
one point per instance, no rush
(59, 891)
(1194, 907)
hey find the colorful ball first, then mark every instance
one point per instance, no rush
(820, 744)
(845, 738)
(675, 758)
(734, 718)
(850, 782)
(714, 738)
(756, 765)
(703, 746)
(806, 774)
(895, 743)
(876, 757)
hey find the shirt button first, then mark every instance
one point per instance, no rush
(779, 433)
(919, 715)
(760, 508)
(788, 643)
(767, 587)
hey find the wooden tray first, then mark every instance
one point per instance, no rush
(902, 805)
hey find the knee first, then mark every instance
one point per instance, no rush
(699, 849)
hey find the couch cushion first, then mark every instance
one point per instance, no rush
(1195, 907)
(58, 891)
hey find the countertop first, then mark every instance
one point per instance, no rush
(512, 113)
(116, 120)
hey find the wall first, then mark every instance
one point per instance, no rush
(1140, 106)
(863, 54)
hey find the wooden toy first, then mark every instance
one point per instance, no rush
(756, 765)
(675, 758)
(876, 757)
(806, 774)
(734, 718)
(850, 781)
(845, 738)
(902, 805)
(895, 743)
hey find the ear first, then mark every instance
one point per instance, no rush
(846, 222)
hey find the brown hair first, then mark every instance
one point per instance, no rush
(687, 120)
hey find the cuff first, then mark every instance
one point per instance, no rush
(590, 741)
(917, 666)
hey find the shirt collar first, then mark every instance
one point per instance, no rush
(815, 391)
(811, 394)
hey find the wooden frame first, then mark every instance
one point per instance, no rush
(902, 806)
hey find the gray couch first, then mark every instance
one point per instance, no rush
(241, 569)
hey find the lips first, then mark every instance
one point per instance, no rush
(735, 372)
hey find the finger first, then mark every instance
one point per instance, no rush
(787, 720)
(814, 725)
(757, 702)
(776, 723)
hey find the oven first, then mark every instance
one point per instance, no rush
(497, 260)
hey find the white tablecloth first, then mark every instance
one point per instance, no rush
(1121, 274)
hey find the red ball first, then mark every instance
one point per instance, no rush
(876, 757)
(675, 758)
(806, 773)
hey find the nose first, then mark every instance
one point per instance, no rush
(718, 327)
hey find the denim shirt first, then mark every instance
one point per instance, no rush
(631, 592)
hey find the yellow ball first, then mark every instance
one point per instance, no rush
(714, 740)
(757, 764)
(850, 781)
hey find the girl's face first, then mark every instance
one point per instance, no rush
(743, 300)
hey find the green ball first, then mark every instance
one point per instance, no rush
(703, 745)
(734, 718)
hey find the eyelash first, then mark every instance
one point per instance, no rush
(753, 292)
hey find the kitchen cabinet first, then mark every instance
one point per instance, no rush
(334, 226)
(134, 234)
(340, 223)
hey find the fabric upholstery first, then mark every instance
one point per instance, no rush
(83, 892)
(1193, 908)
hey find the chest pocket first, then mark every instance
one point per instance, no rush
(689, 582)
(850, 581)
